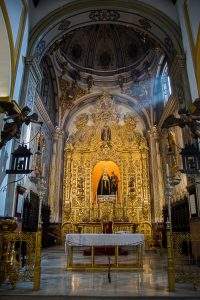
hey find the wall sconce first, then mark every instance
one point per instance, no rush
(191, 159)
(20, 161)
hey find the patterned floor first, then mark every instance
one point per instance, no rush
(152, 281)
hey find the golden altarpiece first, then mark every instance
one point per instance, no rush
(106, 140)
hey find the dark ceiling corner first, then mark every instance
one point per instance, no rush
(36, 2)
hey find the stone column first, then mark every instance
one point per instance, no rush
(55, 181)
(156, 178)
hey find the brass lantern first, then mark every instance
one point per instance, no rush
(20, 161)
(191, 159)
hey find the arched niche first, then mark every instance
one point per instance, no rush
(108, 166)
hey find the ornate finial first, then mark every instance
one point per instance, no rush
(81, 121)
(105, 95)
(129, 120)
(105, 111)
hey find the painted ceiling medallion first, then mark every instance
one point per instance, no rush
(104, 15)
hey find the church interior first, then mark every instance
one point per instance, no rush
(99, 148)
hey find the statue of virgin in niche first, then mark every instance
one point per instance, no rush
(104, 184)
(113, 184)
(107, 184)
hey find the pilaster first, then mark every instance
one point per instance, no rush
(31, 81)
(157, 200)
(55, 181)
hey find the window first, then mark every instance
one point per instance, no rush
(165, 84)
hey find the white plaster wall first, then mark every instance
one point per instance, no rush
(186, 44)
(5, 59)
(14, 9)
(45, 7)
(20, 68)
(166, 6)
(4, 164)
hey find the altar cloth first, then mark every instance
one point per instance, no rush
(102, 239)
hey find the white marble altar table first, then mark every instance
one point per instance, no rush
(116, 240)
(102, 239)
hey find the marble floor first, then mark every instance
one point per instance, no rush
(55, 280)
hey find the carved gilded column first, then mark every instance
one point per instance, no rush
(55, 182)
(146, 205)
(156, 178)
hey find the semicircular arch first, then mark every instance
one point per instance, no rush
(141, 15)
(121, 99)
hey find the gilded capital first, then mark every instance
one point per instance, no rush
(153, 132)
(58, 132)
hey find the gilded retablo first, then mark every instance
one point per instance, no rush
(106, 140)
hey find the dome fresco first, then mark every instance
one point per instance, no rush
(104, 48)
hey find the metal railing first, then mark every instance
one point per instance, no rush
(186, 260)
(20, 257)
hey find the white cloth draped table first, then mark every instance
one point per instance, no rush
(121, 239)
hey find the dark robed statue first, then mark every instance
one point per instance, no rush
(107, 184)
(106, 134)
(104, 184)
(113, 184)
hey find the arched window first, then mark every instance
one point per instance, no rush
(165, 83)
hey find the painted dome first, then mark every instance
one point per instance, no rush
(105, 48)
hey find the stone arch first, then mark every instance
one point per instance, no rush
(131, 102)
